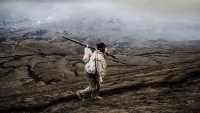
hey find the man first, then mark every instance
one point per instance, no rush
(95, 71)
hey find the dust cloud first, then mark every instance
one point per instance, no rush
(147, 19)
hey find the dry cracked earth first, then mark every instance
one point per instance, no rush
(44, 78)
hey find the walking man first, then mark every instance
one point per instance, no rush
(95, 72)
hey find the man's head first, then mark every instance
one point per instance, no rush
(101, 46)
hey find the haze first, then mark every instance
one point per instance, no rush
(151, 19)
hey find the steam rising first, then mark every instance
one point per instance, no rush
(148, 19)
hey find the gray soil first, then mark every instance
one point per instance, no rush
(44, 78)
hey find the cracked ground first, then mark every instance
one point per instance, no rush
(43, 78)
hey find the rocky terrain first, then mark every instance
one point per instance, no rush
(44, 77)
(155, 70)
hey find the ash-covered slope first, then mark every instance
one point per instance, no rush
(41, 72)
(42, 77)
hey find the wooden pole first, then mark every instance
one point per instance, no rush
(78, 42)
(86, 46)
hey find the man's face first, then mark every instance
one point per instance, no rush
(104, 49)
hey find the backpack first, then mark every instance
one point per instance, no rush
(87, 54)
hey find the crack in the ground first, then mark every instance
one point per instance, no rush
(2, 63)
(18, 56)
(14, 58)
(72, 66)
(127, 88)
(32, 74)
(188, 76)
(158, 67)
(39, 108)
(149, 53)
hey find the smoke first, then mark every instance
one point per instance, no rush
(148, 19)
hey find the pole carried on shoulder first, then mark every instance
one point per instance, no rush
(86, 46)
(78, 42)
(114, 58)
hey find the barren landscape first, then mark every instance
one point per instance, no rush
(40, 77)
(156, 44)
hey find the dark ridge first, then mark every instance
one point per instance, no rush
(32, 74)
(40, 32)
(143, 54)
(39, 108)
(19, 56)
(187, 76)
(191, 75)
(3, 40)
